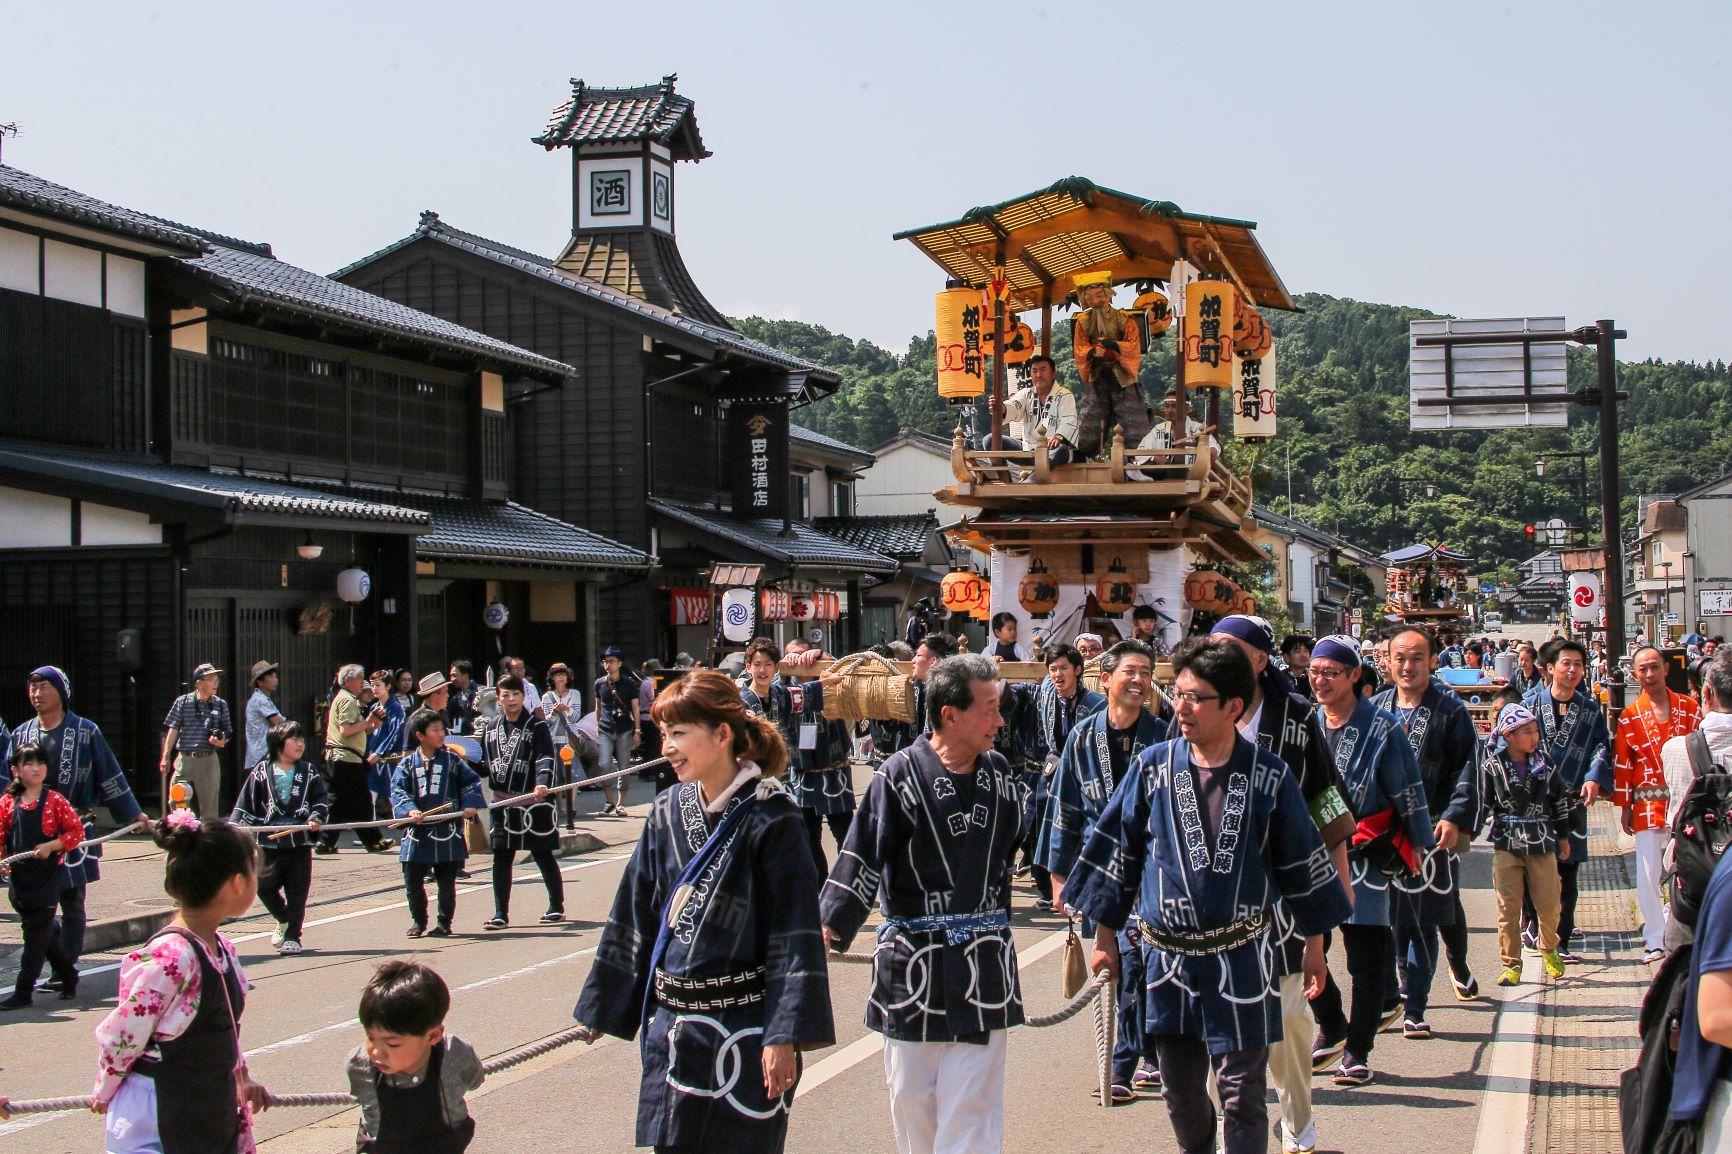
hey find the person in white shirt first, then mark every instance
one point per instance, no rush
(1041, 412)
(1675, 758)
(531, 696)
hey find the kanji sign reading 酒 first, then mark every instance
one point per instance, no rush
(758, 458)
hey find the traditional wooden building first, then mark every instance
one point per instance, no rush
(674, 434)
(202, 440)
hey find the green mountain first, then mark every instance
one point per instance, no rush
(1344, 445)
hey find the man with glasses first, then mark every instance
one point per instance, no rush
(1285, 723)
(1384, 788)
(1203, 840)
(1096, 757)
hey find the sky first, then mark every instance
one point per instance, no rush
(1483, 160)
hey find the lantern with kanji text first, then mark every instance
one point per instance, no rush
(961, 348)
(1115, 593)
(1208, 327)
(775, 604)
(1157, 311)
(1038, 591)
(1248, 328)
(960, 590)
(1254, 397)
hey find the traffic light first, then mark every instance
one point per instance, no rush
(1529, 530)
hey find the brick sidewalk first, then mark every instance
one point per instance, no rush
(1587, 1024)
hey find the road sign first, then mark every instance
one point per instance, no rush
(1449, 386)
(1715, 602)
(1557, 531)
(1672, 617)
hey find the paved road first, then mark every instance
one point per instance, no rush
(514, 987)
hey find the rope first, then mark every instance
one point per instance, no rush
(121, 832)
(429, 818)
(1106, 1035)
(492, 1066)
(1095, 991)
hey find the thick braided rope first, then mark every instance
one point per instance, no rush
(492, 1066)
(1095, 991)
(121, 832)
(499, 803)
(1106, 1036)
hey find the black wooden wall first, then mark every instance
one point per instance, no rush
(578, 452)
(71, 373)
(65, 608)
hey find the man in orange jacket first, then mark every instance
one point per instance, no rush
(1639, 782)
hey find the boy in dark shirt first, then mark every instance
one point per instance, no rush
(1532, 814)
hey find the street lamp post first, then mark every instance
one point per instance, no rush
(1665, 605)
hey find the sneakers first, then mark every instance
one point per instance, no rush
(609, 809)
(1353, 1071)
(322, 848)
(383, 845)
(1651, 957)
(289, 947)
(1511, 977)
(1530, 942)
(1554, 963)
(1043, 903)
(1467, 991)
(1325, 1053)
(279, 935)
(1391, 1016)
(1303, 1143)
(20, 1001)
(1415, 1028)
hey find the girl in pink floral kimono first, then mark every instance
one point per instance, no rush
(170, 1074)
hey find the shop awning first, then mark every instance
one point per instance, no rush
(762, 537)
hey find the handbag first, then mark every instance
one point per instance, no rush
(475, 835)
(1074, 967)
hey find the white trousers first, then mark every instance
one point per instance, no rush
(1290, 1058)
(1650, 849)
(1717, 1122)
(946, 1097)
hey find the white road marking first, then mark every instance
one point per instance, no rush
(1506, 1110)
(861, 1049)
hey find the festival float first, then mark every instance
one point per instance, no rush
(1134, 513)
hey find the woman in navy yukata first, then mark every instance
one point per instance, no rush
(713, 945)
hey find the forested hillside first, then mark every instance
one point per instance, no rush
(1354, 466)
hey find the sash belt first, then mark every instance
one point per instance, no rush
(957, 929)
(1204, 943)
(707, 995)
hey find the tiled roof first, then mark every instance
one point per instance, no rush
(257, 277)
(432, 228)
(815, 438)
(1411, 554)
(763, 536)
(226, 495)
(611, 115)
(23, 191)
(903, 536)
(509, 533)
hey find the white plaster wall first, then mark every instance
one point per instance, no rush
(72, 273)
(20, 261)
(105, 525)
(34, 520)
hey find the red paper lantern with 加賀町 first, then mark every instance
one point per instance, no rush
(1038, 592)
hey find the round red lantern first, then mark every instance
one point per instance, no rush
(1038, 592)
(1115, 593)
(960, 589)
(801, 608)
(1157, 311)
(982, 610)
